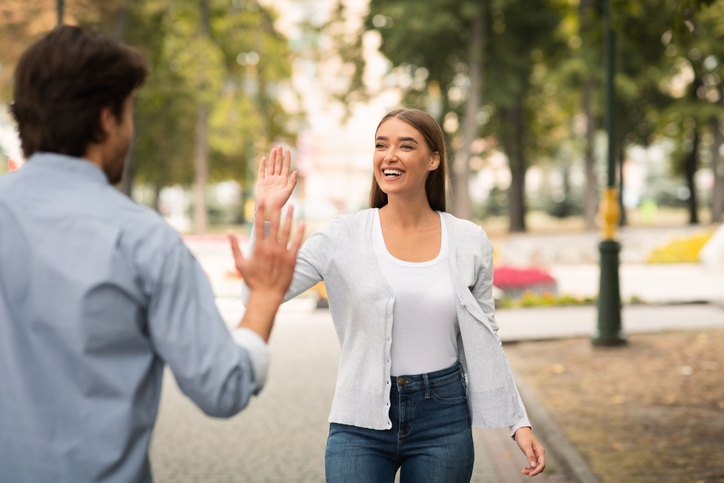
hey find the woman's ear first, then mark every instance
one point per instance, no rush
(435, 161)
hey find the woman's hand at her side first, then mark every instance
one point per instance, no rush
(274, 185)
(533, 451)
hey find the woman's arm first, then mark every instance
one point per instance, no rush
(274, 186)
(483, 293)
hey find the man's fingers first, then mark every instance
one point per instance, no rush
(235, 250)
(297, 240)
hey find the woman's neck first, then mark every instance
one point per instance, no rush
(408, 213)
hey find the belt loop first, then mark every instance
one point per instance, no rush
(427, 386)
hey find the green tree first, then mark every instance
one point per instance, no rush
(446, 45)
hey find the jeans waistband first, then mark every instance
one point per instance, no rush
(424, 381)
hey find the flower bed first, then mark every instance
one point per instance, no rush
(516, 281)
(680, 250)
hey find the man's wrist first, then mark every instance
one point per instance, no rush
(271, 298)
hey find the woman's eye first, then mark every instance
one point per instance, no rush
(379, 145)
(406, 146)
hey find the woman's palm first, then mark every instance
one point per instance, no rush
(274, 185)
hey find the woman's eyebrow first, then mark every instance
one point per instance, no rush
(384, 138)
(409, 139)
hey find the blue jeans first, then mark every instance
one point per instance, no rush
(430, 441)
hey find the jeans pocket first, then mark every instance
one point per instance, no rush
(452, 391)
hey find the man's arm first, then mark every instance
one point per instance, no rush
(187, 332)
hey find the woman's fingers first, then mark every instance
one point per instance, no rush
(278, 161)
(286, 164)
(287, 227)
(261, 174)
(259, 220)
(275, 214)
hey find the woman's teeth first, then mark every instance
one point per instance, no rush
(392, 172)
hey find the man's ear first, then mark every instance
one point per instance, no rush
(435, 161)
(108, 120)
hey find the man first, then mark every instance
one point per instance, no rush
(98, 293)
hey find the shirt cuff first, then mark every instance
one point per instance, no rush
(258, 353)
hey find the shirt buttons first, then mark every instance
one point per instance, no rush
(462, 304)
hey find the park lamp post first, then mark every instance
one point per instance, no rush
(60, 5)
(609, 332)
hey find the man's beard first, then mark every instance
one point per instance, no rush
(113, 168)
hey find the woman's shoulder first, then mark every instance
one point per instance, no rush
(349, 224)
(463, 228)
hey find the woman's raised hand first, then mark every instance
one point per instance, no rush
(274, 185)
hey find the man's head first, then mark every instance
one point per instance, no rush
(73, 95)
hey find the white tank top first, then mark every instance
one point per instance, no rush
(425, 324)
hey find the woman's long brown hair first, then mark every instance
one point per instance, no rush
(436, 180)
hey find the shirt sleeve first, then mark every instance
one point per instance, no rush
(308, 270)
(188, 333)
(258, 353)
(483, 292)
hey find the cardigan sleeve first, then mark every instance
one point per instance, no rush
(309, 268)
(483, 293)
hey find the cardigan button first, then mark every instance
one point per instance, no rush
(462, 304)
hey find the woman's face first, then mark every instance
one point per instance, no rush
(402, 159)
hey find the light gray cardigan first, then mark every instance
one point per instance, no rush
(361, 302)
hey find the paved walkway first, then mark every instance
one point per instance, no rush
(281, 436)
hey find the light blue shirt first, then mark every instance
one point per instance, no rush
(96, 294)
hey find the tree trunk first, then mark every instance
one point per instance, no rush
(120, 21)
(157, 197)
(513, 145)
(691, 165)
(591, 207)
(622, 221)
(462, 207)
(717, 202)
(201, 162)
(201, 166)
(125, 186)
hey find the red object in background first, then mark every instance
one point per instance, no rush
(14, 165)
(509, 277)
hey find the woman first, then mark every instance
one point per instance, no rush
(410, 293)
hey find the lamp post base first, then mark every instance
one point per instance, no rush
(609, 331)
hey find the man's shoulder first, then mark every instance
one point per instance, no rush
(140, 224)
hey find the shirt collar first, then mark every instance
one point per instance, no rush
(68, 164)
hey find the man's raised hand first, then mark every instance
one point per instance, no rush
(268, 271)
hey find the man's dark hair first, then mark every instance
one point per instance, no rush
(64, 80)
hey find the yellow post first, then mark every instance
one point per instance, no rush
(610, 213)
